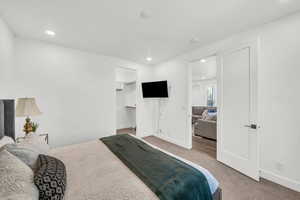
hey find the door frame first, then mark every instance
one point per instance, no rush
(136, 97)
(254, 44)
(189, 96)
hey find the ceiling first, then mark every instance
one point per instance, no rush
(115, 28)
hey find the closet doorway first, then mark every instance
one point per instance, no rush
(126, 100)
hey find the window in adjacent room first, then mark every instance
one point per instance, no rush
(211, 95)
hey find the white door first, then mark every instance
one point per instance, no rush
(237, 121)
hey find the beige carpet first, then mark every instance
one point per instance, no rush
(235, 185)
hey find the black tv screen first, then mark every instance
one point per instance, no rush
(158, 89)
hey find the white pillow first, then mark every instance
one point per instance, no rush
(26, 153)
(204, 114)
(211, 116)
(16, 179)
(6, 140)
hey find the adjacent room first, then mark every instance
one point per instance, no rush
(149, 100)
(204, 104)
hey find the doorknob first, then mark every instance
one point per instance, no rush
(252, 126)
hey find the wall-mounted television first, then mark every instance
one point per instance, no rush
(158, 89)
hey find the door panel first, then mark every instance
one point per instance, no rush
(238, 145)
(236, 102)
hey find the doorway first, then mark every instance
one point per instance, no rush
(126, 86)
(204, 105)
(237, 123)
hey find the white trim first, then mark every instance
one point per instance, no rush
(219, 105)
(286, 182)
(189, 106)
(168, 139)
(253, 170)
(146, 135)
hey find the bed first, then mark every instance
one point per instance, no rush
(94, 172)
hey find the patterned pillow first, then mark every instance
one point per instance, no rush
(50, 178)
(16, 179)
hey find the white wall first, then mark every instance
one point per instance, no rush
(75, 90)
(278, 101)
(6, 58)
(174, 109)
(125, 75)
(145, 110)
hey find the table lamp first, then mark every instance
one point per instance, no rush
(27, 107)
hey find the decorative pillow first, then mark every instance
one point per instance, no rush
(6, 140)
(16, 182)
(24, 152)
(211, 116)
(50, 178)
(204, 114)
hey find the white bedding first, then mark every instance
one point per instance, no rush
(6, 140)
(95, 173)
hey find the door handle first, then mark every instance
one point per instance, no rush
(252, 126)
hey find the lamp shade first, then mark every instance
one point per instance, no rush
(27, 107)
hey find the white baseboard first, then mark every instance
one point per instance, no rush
(286, 182)
(168, 139)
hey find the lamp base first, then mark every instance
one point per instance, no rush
(28, 126)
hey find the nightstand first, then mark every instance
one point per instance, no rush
(44, 136)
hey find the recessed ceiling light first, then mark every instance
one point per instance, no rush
(50, 33)
(203, 60)
(149, 59)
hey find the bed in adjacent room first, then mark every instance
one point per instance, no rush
(104, 170)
